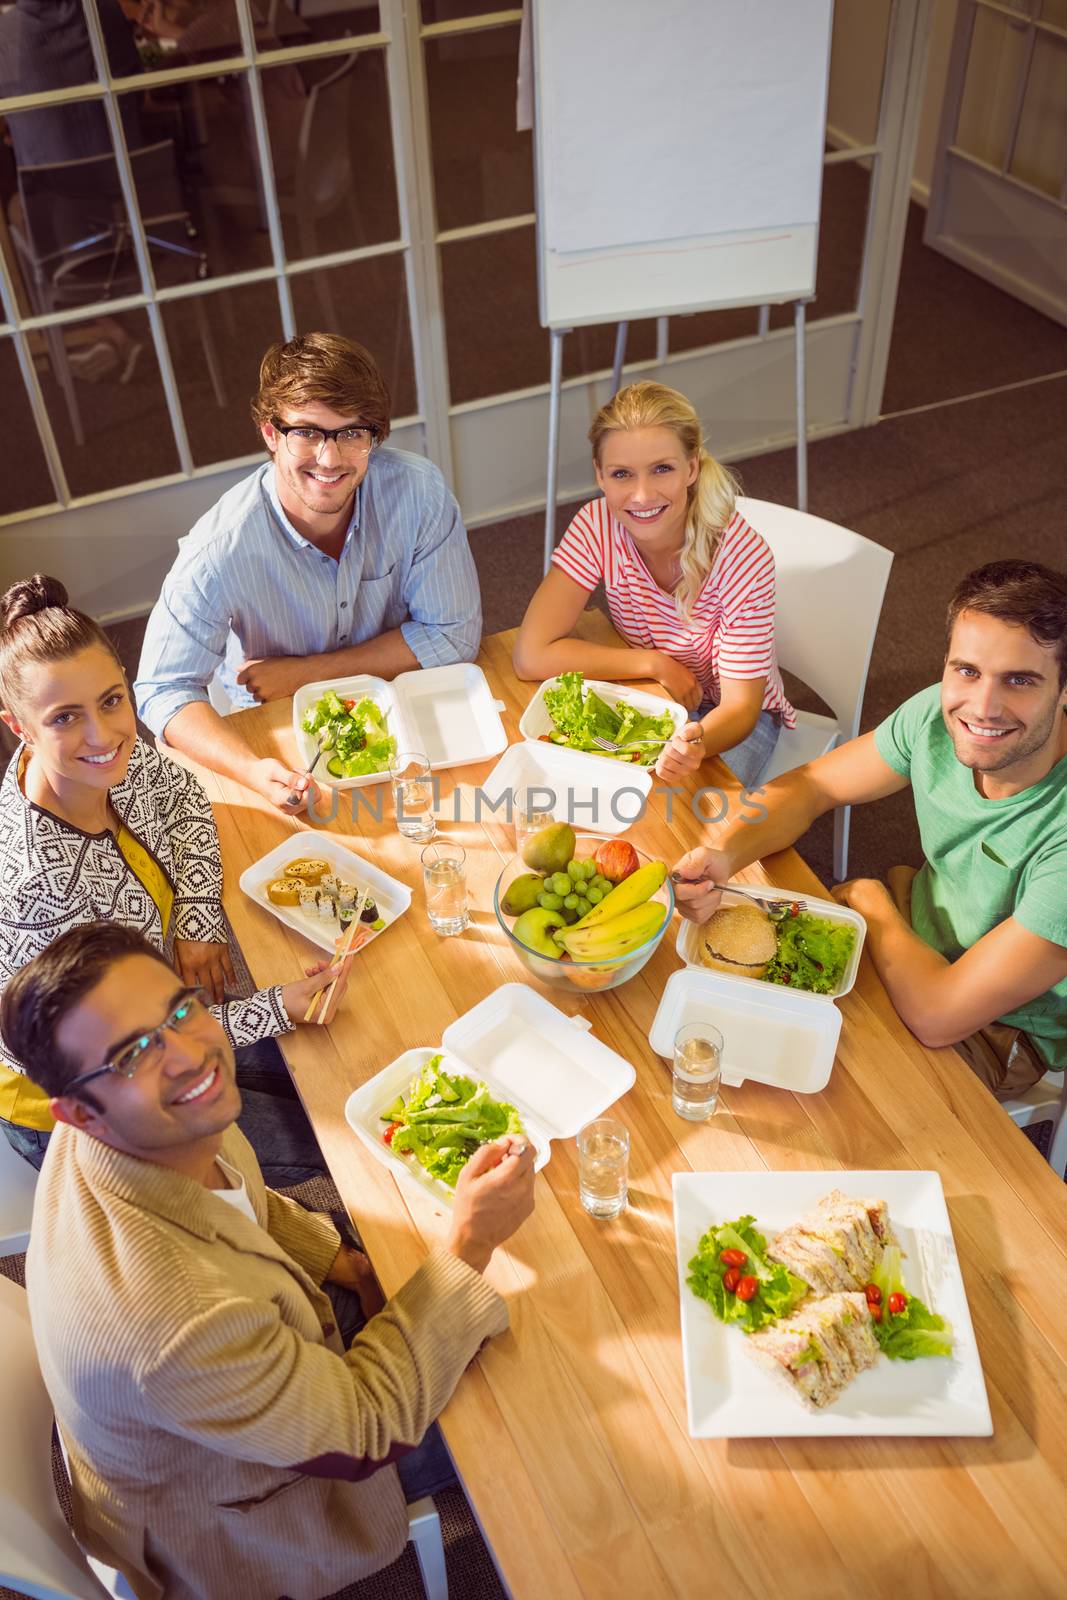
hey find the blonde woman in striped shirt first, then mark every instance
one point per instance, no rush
(689, 584)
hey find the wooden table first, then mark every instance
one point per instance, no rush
(570, 1432)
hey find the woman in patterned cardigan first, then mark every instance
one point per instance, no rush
(96, 826)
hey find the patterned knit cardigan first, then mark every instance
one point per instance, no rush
(53, 876)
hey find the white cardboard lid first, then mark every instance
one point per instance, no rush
(769, 1034)
(541, 1060)
(688, 942)
(585, 792)
(535, 719)
(392, 896)
(446, 713)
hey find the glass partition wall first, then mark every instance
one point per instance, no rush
(183, 181)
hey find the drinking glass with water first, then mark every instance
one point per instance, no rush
(603, 1160)
(444, 877)
(413, 796)
(697, 1070)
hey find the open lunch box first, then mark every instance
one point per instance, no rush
(391, 896)
(447, 714)
(771, 1034)
(528, 1052)
(596, 793)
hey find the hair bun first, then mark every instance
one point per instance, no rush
(30, 595)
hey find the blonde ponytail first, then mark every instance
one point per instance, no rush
(711, 497)
(711, 507)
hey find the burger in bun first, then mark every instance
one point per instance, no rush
(739, 939)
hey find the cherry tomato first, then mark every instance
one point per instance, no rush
(747, 1288)
(876, 1312)
(730, 1279)
(873, 1293)
(897, 1303)
(387, 1136)
(733, 1258)
(350, 705)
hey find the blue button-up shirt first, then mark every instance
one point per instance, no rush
(246, 585)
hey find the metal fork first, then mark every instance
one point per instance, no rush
(777, 910)
(633, 744)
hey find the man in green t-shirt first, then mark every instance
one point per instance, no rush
(973, 947)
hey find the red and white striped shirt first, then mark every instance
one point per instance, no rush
(732, 631)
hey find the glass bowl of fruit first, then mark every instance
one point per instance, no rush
(582, 912)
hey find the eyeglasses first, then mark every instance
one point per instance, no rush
(148, 1048)
(353, 443)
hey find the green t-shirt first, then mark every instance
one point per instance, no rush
(985, 859)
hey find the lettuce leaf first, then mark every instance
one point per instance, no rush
(914, 1332)
(444, 1118)
(779, 1290)
(578, 714)
(812, 953)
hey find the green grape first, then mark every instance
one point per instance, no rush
(575, 871)
(550, 902)
(571, 913)
(590, 869)
(594, 895)
(605, 885)
(561, 883)
(584, 906)
(570, 901)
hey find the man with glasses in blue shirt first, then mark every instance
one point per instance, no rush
(337, 557)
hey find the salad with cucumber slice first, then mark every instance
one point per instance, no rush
(354, 735)
(443, 1119)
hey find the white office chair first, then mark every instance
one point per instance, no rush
(18, 1182)
(38, 1555)
(1045, 1102)
(830, 586)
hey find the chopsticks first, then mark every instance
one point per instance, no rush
(348, 948)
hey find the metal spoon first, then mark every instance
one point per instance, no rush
(777, 910)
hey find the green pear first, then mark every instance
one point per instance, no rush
(522, 894)
(550, 848)
(535, 928)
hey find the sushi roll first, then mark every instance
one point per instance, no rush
(308, 897)
(329, 884)
(369, 912)
(346, 893)
(327, 911)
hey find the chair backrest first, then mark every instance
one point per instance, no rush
(324, 167)
(18, 1181)
(71, 205)
(830, 586)
(38, 1555)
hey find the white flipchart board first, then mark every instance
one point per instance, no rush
(679, 148)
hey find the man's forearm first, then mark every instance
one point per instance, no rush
(197, 731)
(792, 802)
(910, 968)
(386, 656)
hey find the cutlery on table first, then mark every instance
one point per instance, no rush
(294, 799)
(777, 910)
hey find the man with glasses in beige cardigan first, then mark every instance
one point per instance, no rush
(222, 1439)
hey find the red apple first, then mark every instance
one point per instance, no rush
(616, 859)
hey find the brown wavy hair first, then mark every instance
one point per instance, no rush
(324, 367)
(1024, 593)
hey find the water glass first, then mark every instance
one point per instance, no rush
(445, 878)
(528, 818)
(697, 1068)
(413, 796)
(603, 1159)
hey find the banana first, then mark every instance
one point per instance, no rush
(611, 940)
(632, 891)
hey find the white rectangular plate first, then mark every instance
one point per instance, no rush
(393, 897)
(730, 1397)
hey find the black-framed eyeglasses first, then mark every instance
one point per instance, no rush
(147, 1049)
(354, 442)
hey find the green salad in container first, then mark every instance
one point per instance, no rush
(354, 735)
(812, 953)
(578, 713)
(443, 1119)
